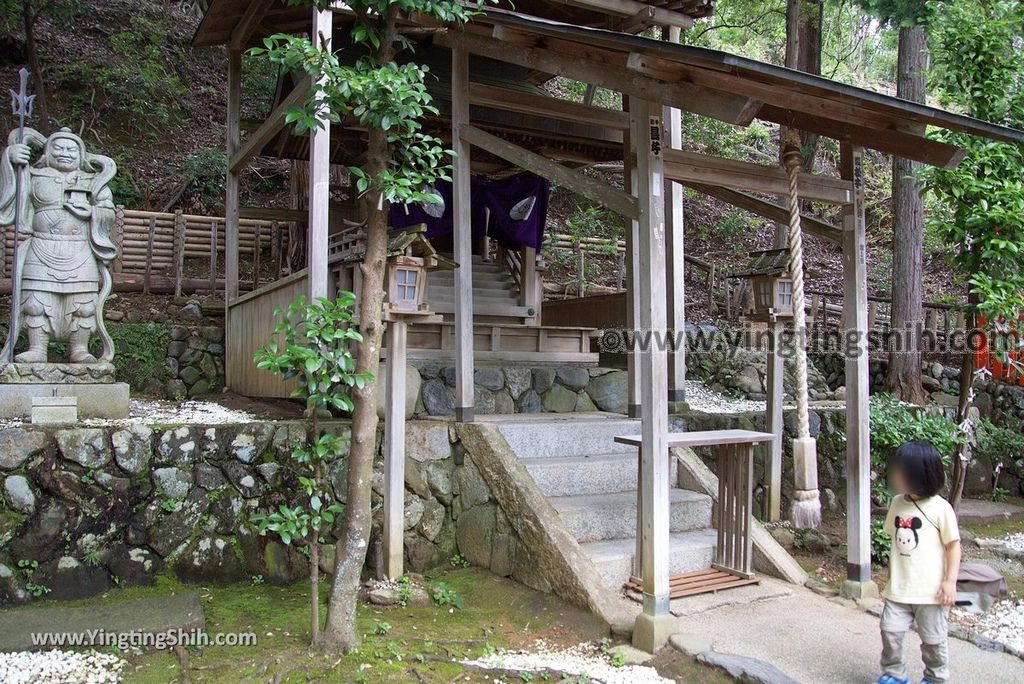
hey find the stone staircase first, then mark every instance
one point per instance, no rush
(591, 481)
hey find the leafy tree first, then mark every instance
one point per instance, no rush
(365, 83)
(979, 67)
(313, 349)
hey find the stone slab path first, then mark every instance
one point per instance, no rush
(143, 616)
(980, 512)
(817, 641)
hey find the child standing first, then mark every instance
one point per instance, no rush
(923, 564)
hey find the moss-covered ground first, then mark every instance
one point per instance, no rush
(399, 644)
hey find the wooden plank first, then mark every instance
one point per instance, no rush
(179, 254)
(699, 438)
(463, 238)
(258, 139)
(591, 188)
(394, 449)
(725, 107)
(693, 167)
(319, 184)
(770, 210)
(647, 135)
(522, 102)
(231, 195)
(675, 237)
(855, 314)
(213, 260)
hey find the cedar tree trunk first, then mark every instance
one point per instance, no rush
(903, 379)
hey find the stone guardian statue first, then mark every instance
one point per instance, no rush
(63, 268)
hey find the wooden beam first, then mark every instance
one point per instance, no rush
(394, 449)
(770, 210)
(692, 167)
(855, 321)
(248, 22)
(653, 489)
(774, 423)
(722, 106)
(273, 124)
(510, 100)
(591, 188)
(901, 144)
(463, 238)
(319, 183)
(231, 186)
(633, 303)
(631, 8)
(675, 237)
(272, 214)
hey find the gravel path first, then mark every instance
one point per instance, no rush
(702, 398)
(60, 667)
(582, 659)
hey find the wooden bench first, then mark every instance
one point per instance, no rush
(733, 516)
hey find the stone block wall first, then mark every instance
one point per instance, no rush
(525, 389)
(87, 508)
(195, 361)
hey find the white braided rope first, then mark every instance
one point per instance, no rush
(793, 161)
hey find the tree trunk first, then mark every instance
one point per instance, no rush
(339, 632)
(809, 61)
(28, 20)
(963, 452)
(903, 378)
(781, 239)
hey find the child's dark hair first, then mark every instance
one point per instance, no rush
(921, 466)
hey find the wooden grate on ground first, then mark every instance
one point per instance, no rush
(693, 583)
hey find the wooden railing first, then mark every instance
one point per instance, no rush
(153, 247)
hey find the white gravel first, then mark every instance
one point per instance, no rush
(1003, 622)
(60, 667)
(1014, 542)
(151, 412)
(702, 398)
(582, 659)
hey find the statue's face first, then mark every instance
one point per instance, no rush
(64, 154)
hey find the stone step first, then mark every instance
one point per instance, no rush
(598, 517)
(688, 552)
(578, 437)
(578, 475)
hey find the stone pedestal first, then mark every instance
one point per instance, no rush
(92, 385)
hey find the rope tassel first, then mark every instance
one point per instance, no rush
(806, 511)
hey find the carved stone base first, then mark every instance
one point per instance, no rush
(95, 400)
(64, 373)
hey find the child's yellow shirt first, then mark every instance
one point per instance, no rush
(920, 530)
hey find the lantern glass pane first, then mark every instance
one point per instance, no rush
(405, 286)
(785, 294)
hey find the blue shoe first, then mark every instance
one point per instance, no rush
(927, 681)
(889, 679)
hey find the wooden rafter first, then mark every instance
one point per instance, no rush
(273, 124)
(591, 188)
(691, 167)
(248, 22)
(631, 8)
(724, 107)
(549, 107)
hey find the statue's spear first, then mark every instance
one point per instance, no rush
(21, 106)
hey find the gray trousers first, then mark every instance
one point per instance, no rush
(933, 628)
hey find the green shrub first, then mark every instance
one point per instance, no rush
(140, 352)
(894, 423)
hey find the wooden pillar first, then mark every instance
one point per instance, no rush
(774, 423)
(632, 272)
(319, 181)
(232, 181)
(463, 237)
(531, 284)
(676, 269)
(647, 133)
(855, 322)
(394, 449)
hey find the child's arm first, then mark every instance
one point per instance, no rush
(947, 590)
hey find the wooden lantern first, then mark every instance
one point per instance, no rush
(406, 284)
(771, 285)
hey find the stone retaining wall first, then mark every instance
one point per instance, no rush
(524, 389)
(195, 361)
(86, 508)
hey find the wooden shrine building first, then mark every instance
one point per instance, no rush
(498, 118)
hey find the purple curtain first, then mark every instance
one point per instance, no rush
(518, 211)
